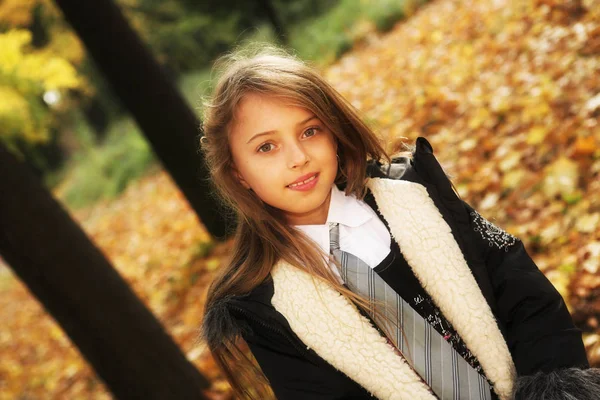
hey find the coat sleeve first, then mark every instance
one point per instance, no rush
(546, 346)
(540, 331)
(295, 376)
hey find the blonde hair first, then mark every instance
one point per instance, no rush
(262, 237)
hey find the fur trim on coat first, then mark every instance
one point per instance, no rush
(326, 322)
(562, 384)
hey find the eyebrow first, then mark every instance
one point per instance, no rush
(272, 131)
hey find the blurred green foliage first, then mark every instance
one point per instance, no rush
(102, 171)
(38, 71)
(326, 37)
(106, 149)
(188, 34)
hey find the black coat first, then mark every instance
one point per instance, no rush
(530, 313)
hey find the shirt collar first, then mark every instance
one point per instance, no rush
(347, 210)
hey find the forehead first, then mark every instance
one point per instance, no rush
(259, 113)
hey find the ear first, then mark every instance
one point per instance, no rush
(240, 178)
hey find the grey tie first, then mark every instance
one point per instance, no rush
(446, 372)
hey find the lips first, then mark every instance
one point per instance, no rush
(303, 179)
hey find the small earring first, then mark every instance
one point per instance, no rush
(203, 141)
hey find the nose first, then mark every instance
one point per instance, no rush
(296, 155)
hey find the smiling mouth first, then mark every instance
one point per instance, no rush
(312, 178)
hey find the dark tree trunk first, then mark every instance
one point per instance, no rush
(268, 9)
(115, 332)
(166, 120)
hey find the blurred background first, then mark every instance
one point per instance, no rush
(507, 92)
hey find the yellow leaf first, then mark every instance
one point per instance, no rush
(436, 36)
(212, 264)
(561, 177)
(536, 135)
(560, 280)
(478, 119)
(512, 179)
(588, 223)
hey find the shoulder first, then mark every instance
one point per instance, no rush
(423, 168)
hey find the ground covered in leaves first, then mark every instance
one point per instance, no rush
(507, 92)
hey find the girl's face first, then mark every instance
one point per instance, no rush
(286, 155)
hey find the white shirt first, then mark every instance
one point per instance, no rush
(361, 231)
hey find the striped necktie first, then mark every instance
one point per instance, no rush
(446, 372)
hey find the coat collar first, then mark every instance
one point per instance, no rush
(329, 323)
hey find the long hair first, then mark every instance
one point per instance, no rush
(262, 237)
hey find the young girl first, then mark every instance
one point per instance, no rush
(357, 276)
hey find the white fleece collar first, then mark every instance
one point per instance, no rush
(329, 323)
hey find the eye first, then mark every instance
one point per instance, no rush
(311, 131)
(265, 148)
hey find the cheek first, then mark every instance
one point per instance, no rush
(328, 150)
(261, 176)
(247, 172)
(243, 162)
